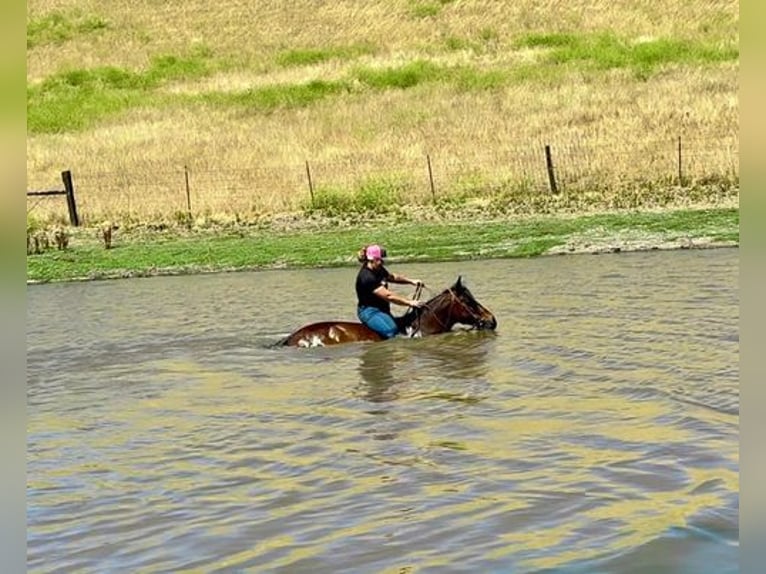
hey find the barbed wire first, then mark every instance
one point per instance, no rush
(167, 187)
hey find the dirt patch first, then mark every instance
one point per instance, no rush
(634, 242)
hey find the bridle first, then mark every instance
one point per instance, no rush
(477, 319)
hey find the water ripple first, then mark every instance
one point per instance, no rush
(596, 431)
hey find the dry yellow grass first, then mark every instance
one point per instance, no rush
(605, 127)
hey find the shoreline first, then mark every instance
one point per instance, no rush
(178, 271)
(167, 252)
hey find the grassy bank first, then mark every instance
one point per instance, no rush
(146, 251)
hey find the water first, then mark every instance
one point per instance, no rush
(595, 431)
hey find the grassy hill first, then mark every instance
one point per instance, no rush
(244, 110)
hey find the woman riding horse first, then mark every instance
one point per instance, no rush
(454, 305)
(373, 296)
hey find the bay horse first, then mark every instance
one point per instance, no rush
(439, 314)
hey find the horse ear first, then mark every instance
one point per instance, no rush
(459, 282)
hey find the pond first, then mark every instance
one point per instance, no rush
(595, 431)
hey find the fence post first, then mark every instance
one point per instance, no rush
(431, 178)
(311, 185)
(188, 192)
(680, 170)
(549, 164)
(66, 177)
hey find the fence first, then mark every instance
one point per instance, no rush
(68, 191)
(160, 189)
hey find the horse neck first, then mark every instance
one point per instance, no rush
(436, 317)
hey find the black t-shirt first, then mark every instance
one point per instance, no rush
(367, 281)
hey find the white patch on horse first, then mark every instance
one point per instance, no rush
(334, 335)
(313, 341)
(413, 333)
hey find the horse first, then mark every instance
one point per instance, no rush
(454, 305)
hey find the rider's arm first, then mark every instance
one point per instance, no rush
(396, 278)
(392, 297)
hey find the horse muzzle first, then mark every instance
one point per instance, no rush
(487, 324)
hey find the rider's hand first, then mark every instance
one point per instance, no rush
(418, 283)
(415, 303)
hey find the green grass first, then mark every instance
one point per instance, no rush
(478, 80)
(455, 43)
(270, 98)
(59, 27)
(374, 196)
(679, 222)
(181, 252)
(425, 9)
(401, 77)
(607, 51)
(75, 99)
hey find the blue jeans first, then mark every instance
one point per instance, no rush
(378, 321)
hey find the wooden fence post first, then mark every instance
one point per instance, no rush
(311, 185)
(680, 170)
(431, 178)
(549, 164)
(66, 177)
(188, 192)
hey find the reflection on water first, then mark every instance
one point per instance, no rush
(595, 431)
(376, 367)
(387, 369)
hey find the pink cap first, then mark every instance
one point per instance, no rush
(375, 252)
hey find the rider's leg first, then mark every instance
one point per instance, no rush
(378, 321)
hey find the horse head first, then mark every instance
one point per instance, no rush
(467, 310)
(455, 304)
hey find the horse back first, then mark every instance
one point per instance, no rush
(330, 333)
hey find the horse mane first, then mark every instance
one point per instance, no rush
(414, 313)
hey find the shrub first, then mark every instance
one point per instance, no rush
(330, 201)
(378, 196)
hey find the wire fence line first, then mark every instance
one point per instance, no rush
(162, 189)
